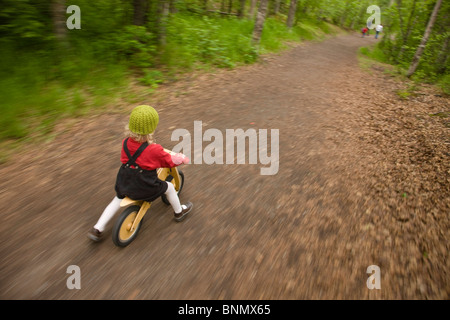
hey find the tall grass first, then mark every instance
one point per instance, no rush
(202, 41)
(37, 89)
(225, 43)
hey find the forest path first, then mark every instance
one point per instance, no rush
(305, 232)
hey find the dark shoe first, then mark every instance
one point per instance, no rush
(95, 235)
(180, 216)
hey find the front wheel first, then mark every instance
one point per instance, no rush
(180, 187)
(122, 234)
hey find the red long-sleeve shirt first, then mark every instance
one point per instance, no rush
(153, 157)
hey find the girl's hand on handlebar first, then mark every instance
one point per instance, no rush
(179, 158)
(185, 159)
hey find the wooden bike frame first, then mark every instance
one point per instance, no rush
(163, 173)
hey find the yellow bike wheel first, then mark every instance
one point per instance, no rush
(122, 233)
(177, 184)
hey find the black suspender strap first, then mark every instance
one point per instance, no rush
(132, 159)
(125, 148)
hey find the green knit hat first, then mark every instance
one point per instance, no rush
(143, 120)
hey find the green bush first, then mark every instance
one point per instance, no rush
(137, 44)
(214, 42)
(374, 53)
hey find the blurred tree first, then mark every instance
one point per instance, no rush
(291, 15)
(345, 13)
(421, 48)
(276, 8)
(253, 6)
(140, 12)
(406, 33)
(241, 11)
(442, 59)
(58, 8)
(163, 15)
(259, 23)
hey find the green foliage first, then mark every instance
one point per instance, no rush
(444, 83)
(43, 77)
(137, 44)
(405, 24)
(25, 22)
(374, 53)
(37, 88)
(152, 79)
(210, 41)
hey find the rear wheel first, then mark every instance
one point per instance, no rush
(122, 235)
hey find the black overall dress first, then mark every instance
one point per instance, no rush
(137, 183)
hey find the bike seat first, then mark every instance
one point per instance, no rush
(128, 201)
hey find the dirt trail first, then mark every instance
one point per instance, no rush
(308, 232)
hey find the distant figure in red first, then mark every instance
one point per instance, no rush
(364, 31)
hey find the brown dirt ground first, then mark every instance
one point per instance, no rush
(363, 180)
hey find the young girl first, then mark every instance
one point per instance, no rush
(364, 31)
(137, 177)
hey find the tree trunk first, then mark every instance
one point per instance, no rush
(173, 6)
(163, 15)
(140, 8)
(345, 13)
(230, 6)
(277, 7)
(241, 12)
(441, 61)
(259, 24)
(408, 32)
(305, 8)
(400, 18)
(253, 4)
(416, 60)
(291, 15)
(58, 8)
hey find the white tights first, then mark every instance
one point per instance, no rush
(114, 206)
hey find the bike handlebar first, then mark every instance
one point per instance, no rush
(170, 152)
(177, 158)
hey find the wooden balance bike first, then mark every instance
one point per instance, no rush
(128, 224)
